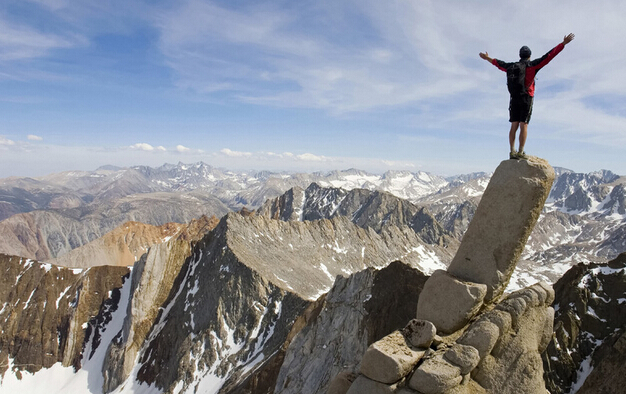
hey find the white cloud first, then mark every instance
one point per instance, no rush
(4, 142)
(32, 137)
(311, 157)
(182, 149)
(232, 153)
(142, 146)
(295, 64)
(398, 164)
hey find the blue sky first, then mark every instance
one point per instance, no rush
(304, 86)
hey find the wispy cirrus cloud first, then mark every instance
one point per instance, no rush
(295, 59)
(360, 56)
(20, 41)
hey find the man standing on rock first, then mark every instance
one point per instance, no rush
(521, 84)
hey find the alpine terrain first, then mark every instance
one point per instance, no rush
(193, 279)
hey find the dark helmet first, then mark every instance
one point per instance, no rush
(524, 52)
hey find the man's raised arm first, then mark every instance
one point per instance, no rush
(485, 55)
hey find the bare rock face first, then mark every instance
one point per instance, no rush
(610, 360)
(491, 247)
(390, 359)
(589, 328)
(449, 303)
(514, 361)
(60, 300)
(365, 208)
(152, 279)
(221, 319)
(498, 351)
(357, 311)
(329, 247)
(504, 219)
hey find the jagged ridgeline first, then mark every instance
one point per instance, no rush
(218, 311)
(289, 298)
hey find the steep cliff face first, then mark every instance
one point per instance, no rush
(220, 321)
(323, 249)
(252, 278)
(152, 281)
(589, 324)
(46, 310)
(357, 311)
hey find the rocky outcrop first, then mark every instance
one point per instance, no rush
(502, 224)
(46, 310)
(499, 350)
(357, 311)
(481, 269)
(589, 330)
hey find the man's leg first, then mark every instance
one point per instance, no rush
(523, 133)
(512, 132)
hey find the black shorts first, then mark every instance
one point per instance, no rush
(520, 109)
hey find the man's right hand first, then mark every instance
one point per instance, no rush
(568, 38)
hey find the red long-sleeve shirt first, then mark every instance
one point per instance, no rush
(532, 67)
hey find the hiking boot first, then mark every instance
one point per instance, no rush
(513, 154)
(522, 155)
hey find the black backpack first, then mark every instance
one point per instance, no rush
(516, 78)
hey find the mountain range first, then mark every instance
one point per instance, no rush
(146, 280)
(47, 217)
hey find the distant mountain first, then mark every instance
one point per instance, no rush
(75, 189)
(48, 234)
(47, 217)
(584, 218)
(365, 208)
(125, 245)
